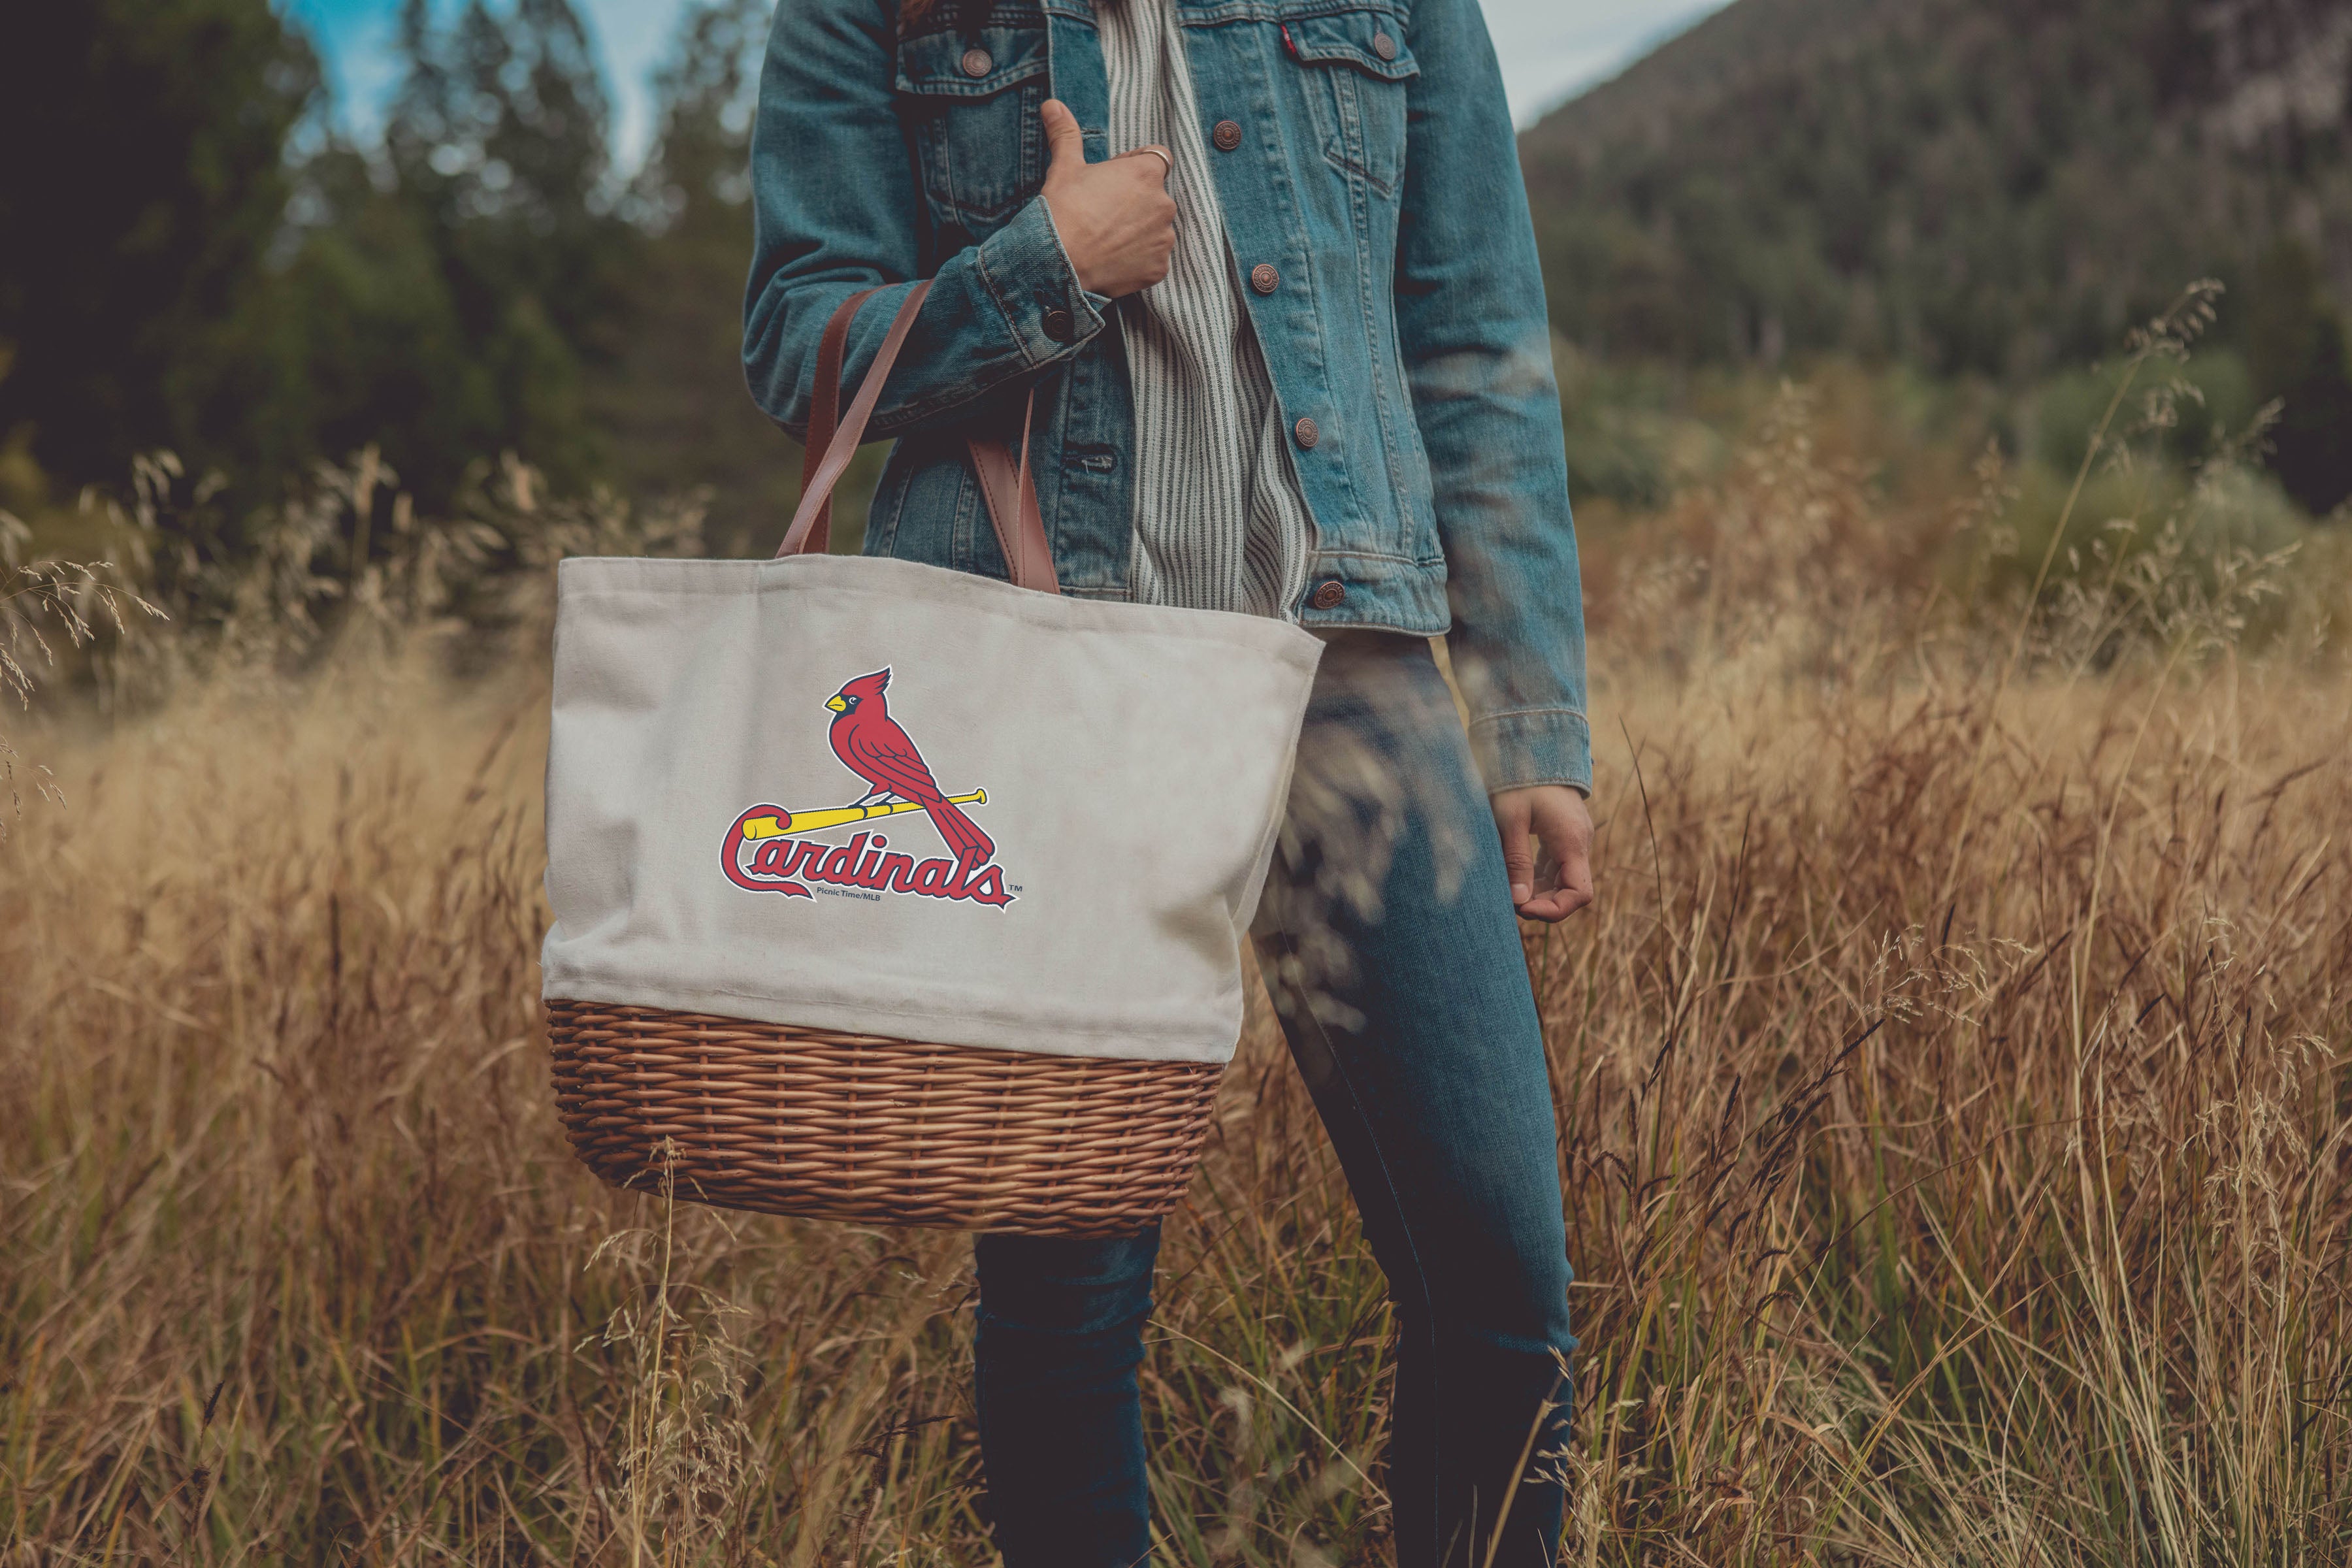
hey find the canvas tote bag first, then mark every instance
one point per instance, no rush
(893, 893)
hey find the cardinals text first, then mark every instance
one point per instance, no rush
(787, 866)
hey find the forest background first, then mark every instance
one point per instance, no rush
(1951, 210)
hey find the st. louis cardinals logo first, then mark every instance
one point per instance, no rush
(765, 852)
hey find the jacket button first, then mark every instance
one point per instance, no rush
(1308, 432)
(1265, 279)
(1330, 595)
(1382, 46)
(1227, 135)
(977, 62)
(1059, 326)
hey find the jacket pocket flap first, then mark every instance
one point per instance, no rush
(1371, 41)
(957, 65)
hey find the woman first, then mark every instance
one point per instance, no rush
(1268, 266)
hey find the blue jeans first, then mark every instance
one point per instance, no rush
(1388, 939)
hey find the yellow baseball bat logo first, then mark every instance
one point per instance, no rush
(792, 822)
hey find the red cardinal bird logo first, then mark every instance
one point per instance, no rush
(765, 850)
(872, 744)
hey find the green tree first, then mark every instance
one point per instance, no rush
(675, 400)
(143, 185)
(2297, 352)
(371, 346)
(170, 276)
(1994, 187)
(497, 146)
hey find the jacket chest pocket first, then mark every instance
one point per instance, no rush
(1355, 67)
(970, 103)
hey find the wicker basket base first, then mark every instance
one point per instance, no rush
(855, 1127)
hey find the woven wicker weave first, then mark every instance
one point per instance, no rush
(853, 1127)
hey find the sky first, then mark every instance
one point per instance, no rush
(1549, 48)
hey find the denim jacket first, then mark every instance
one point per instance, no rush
(1364, 160)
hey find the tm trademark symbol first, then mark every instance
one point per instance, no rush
(1014, 885)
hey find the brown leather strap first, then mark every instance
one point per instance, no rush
(1012, 496)
(1005, 484)
(817, 490)
(824, 409)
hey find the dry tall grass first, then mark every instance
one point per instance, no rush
(1951, 1082)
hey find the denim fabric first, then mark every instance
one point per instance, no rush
(1377, 173)
(1393, 953)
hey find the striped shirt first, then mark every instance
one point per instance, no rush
(1220, 523)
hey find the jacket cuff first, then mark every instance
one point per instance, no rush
(1533, 746)
(1028, 274)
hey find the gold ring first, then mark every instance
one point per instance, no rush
(1167, 163)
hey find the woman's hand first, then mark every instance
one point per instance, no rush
(1556, 816)
(1116, 220)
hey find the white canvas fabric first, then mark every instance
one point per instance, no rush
(1135, 761)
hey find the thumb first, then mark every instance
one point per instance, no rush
(1065, 143)
(1518, 849)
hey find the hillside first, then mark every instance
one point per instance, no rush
(1997, 186)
